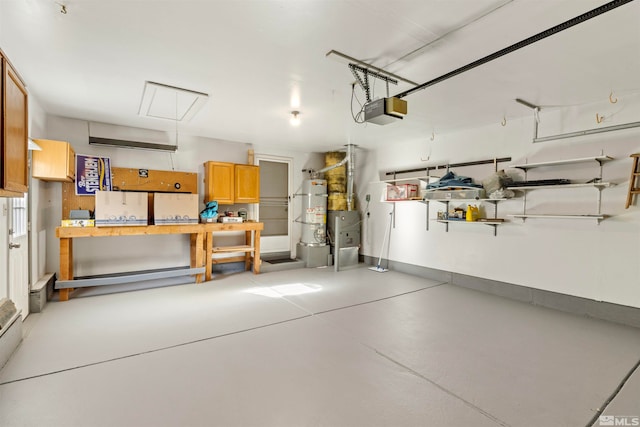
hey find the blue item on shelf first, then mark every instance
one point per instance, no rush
(450, 179)
(210, 211)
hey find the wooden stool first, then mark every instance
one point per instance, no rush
(635, 173)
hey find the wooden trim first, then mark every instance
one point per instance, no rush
(227, 259)
(7, 193)
(6, 58)
(240, 248)
(130, 230)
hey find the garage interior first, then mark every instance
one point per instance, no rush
(431, 217)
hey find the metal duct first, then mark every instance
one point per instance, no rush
(349, 160)
(350, 169)
(317, 173)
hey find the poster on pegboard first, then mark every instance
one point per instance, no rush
(92, 173)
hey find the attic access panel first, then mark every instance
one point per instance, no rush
(169, 102)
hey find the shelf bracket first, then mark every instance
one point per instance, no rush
(427, 216)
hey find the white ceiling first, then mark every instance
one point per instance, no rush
(255, 57)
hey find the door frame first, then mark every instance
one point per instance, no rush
(4, 247)
(19, 292)
(289, 161)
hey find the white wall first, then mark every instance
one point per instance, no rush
(133, 253)
(37, 247)
(574, 257)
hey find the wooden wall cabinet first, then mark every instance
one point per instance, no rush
(247, 183)
(14, 123)
(218, 182)
(55, 162)
(230, 183)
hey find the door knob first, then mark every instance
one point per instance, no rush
(14, 245)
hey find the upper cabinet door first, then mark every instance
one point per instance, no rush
(55, 162)
(218, 182)
(14, 131)
(247, 184)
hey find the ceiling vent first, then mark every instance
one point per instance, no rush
(170, 103)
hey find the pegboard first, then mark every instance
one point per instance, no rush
(124, 179)
(154, 181)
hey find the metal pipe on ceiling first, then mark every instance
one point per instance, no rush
(533, 39)
(587, 132)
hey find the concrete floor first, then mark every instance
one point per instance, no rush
(312, 347)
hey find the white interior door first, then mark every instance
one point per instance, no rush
(274, 208)
(4, 248)
(18, 254)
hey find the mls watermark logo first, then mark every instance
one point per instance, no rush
(617, 420)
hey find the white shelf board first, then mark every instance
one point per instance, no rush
(597, 217)
(416, 178)
(563, 162)
(447, 221)
(537, 187)
(401, 201)
(463, 200)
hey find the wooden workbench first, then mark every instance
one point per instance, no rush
(202, 244)
(251, 248)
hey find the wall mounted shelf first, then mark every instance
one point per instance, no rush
(446, 202)
(596, 183)
(488, 222)
(600, 159)
(427, 178)
(448, 166)
(596, 217)
(599, 185)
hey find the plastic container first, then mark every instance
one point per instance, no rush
(472, 213)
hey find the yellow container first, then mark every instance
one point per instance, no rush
(472, 213)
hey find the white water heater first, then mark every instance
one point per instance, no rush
(314, 212)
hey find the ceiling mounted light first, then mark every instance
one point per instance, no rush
(295, 118)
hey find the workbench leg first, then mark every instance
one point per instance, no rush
(256, 253)
(66, 265)
(197, 253)
(247, 255)
(208, 243)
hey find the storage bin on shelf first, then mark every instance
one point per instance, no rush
(402, 192)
